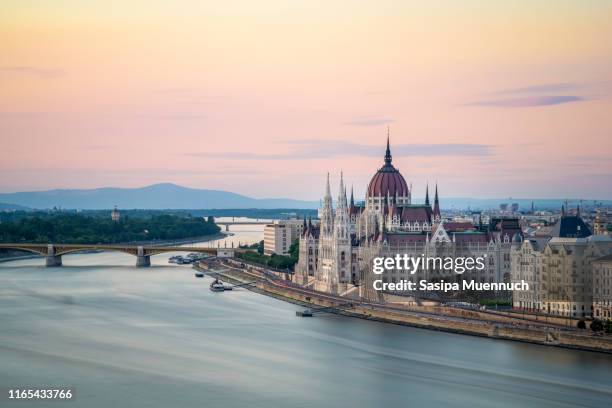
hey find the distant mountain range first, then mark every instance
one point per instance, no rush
(156, 196)
(5, 206)
(172, 196)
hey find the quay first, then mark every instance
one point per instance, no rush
(477, 323)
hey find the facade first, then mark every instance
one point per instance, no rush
(336, 255)
(559, 269)
(527, 265)
(602, 287)
(279, 235)
(601, 223)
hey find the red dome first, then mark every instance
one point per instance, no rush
(387, 181)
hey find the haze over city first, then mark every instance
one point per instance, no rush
(489, 98)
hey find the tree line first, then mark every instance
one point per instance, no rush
(44, 227)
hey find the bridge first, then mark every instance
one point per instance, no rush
(233, 222)
(53, 252)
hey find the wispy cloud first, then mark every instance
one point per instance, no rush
(543, 88)
(369, 121)
(32, 71)
(321, 149)
(547, 94)
(529, 101)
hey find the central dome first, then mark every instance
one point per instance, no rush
(387, 181)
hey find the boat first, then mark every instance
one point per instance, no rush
(304, 313)
(199, 274)
(217, 286)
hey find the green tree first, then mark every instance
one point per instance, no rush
(597, 325)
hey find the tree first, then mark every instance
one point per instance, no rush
(597, 325)
(581, 324)
(294, 250)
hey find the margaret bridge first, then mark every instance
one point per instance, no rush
(53, 252)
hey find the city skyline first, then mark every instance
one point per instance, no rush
(489, 99)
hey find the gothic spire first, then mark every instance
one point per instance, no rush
(342, 193)
(388, 157)
(427, 194)
(327, 200)
(436, 209)
(352, 198)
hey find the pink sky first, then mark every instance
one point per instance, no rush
(489, 98)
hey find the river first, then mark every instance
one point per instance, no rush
(157, 337)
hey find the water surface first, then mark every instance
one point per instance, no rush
(157, 337)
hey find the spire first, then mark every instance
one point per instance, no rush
(578, 211)
(352, 198)
(436, 209)
(341, 193)
(427, 194)
(562, 209)
(327, 212)
(388, 152)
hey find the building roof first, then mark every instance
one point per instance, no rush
(415, 213)
(570, 226)
(388, 181)
(606, 259)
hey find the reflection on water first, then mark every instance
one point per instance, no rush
(158, 337)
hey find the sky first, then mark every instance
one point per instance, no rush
(490, 99)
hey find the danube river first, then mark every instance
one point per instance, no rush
(157, 337)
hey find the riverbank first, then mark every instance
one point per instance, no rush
(191, 240)
(451, 320)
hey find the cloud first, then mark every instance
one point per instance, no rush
(529, 101)
(32, 71)
(538, 95)
(369, 122)
(543, 88)
(322, 149)
(173, 116)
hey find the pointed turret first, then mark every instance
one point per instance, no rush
(388, 157)
(427, 195)
(352, 198)
(342, 193)
(436, 209)
(327, 211)
(341, 220)
(328, 197)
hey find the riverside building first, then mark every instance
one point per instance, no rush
(336, 256)
(561, 269)
(279, 235)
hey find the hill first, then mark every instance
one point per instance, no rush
(156, 196)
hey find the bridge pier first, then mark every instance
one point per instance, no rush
(226, 227)
(142, 260)
(53, 260)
